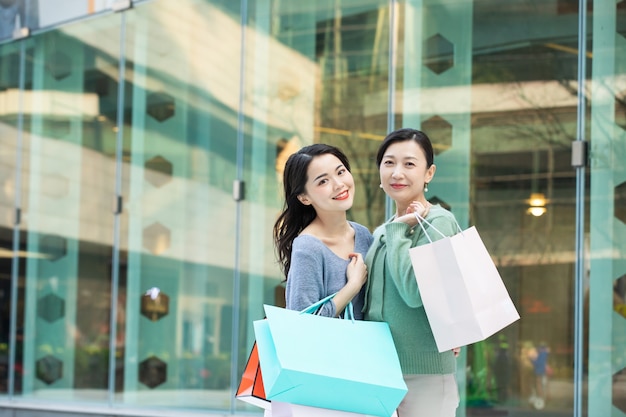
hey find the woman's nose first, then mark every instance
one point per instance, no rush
(338, 182)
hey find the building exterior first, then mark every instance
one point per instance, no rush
(141, 152)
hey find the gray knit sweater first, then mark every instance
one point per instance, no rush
(393, 296)
(317, 272)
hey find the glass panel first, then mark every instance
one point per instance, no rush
(178, 227)
(494, 85)
(68, 154)
(434, 93)
(315, 72)
(9, 143)
(522, 200)
(607, 236)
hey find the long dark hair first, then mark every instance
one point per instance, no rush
(295, 215)
(403, 134)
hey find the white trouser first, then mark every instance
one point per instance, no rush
(430, 396)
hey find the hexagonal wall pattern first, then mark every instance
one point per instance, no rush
(619, 305)
(156, 238)
(59, 65)
(53, 247)
(51, 307)
(619, 202)
(440, 133)
(438, 54)
(160, 106)
(49, 369)
(152, 372)
(155, 304)
(158, 171)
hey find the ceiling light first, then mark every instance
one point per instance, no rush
(537, 203)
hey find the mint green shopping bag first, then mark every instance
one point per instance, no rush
(341, 364)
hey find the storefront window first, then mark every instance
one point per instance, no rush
(498, 97)
(68, 159)
(606, 237)
(312, 71)
(179, 227)
(11, 61)
(141, 157)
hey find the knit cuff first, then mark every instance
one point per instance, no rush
(397, 230)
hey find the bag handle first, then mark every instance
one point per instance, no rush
(348, 313)
(310, 309)
(421, 219)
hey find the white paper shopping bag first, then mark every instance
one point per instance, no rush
(463, 294)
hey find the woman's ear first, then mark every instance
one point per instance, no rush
(430, 173)
(303, 199)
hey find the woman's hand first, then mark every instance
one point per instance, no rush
(414, 210)
(418, 209)
(356, 273)
(456, 351)
(356, 277)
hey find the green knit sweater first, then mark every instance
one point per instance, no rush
(392, 293)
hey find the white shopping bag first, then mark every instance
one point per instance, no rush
(281, 409)
(463, 294)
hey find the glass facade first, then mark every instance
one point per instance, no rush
(142, 146)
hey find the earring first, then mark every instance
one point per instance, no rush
(426, 187)
(380, 185)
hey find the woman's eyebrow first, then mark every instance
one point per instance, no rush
(320, 176)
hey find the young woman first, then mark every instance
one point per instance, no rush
(319, 250)
(405, 163)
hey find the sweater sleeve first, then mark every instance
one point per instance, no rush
(305, 281)
(399, 267)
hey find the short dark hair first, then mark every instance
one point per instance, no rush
(402, 135)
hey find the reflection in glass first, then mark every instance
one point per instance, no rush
(498, 96)
(67, 222)
(315, 72)
(177, 228)
(9, 143)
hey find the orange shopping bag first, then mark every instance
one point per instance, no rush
(251, 388)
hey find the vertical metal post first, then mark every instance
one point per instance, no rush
(391, 109)
(118, 211)
(15, 264)
(234, 360)
(580, 212)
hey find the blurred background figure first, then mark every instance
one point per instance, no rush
(540, 367)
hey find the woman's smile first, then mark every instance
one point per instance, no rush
(344, 195)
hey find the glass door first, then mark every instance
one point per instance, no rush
(490, 83)
(177, 274)
(606, 237)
